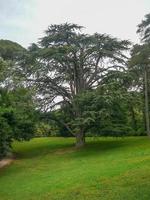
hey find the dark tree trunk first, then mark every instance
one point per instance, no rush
(134, 122)
(146, 103)
(80, 139)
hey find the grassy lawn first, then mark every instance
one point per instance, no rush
(51, 169)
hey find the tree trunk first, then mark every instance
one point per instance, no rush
(80, 139)
(146, 103)
(134, 122)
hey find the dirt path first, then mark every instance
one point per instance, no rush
(5, 162)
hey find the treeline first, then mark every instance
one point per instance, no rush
(74, 84)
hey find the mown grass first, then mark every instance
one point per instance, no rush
(52, 169)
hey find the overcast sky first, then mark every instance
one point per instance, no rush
(24, 21)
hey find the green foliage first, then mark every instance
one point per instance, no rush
(140, 70)
(44, 129)
(109, 110)
(80, 81)
(55, 123)
(3, 69)
(10, 50)
(144, 30)
(5, 137)
(66, 63)
(103, 111)
(17, 118)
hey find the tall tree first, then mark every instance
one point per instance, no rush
(67, 63)
(139, 64)
(143, 54)
(144, 29)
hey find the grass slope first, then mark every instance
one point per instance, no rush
(51, 169)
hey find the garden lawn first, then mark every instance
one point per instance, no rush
(52, 169)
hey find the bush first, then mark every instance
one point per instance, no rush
(13, 128)
(5, 137)
(45, 130)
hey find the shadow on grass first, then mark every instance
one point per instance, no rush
(109, 145)
(92, 147)
(31, 150)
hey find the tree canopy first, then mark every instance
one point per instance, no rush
(67, 62)
(74, 84)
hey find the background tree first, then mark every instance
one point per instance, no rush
(144, 29)
(67, 63)
(139, 65)
(16, 104)
(141, 62)
(17, 118)
(10, 50)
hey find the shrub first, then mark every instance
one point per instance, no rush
(5, 137)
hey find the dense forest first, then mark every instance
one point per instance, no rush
(74, 84)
